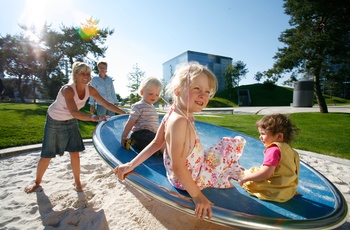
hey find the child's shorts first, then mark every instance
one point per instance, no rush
(141, 138)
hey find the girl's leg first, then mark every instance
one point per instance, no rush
(75, 164)
(42, 166)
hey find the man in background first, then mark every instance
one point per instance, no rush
(104, 85)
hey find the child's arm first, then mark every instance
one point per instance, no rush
(179, 145)
(264, 173)
(127, 128)
(122, 170)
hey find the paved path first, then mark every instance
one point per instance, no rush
(288, 109)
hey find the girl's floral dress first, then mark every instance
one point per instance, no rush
(211, 168)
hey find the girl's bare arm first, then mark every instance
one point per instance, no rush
(263, 174)
(179, 146)
(122, 170)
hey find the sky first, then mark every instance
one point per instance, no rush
(151, 32)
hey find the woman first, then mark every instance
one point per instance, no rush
(61, 132)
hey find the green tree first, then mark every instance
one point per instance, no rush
(258, 76)
(135, 77)
(119, 98)
(234, 73)
(53, 63)
(292, 79)
(133, 98)
(162, 99)
(317, 44)
(228, 77)
(61, 49)
(164, 88)
(85, 43)
(20, 60)
(40, 58)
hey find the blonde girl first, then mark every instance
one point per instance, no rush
(188, 166)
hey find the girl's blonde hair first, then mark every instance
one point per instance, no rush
(148, 83)
(78, 67)
(185, 73)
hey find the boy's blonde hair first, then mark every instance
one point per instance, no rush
(78, 67)
(279, 123)
(186, 72)
(148, 83)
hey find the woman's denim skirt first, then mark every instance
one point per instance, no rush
(60, 136)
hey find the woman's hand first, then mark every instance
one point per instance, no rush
(95, 118)
(203, 206)
(123, 170)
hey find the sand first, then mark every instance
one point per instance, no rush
(106, 203)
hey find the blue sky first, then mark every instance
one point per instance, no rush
(151, 32)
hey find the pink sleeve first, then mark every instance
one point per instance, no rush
(272, 156)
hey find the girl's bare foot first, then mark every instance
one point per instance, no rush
(31, 187)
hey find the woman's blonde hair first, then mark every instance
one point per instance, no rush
(78, 67)
(185, 73)
(148, 83)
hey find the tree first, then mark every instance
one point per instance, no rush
(19, 55)
(39, 57)
(53, 62)
(164, 88)
(119, 98)
(258, 76)
(233, 74)
(135, 77)
(317, 45)
(133, 98)
(85, 43)
(228, 77)
(162, 98)
(292, 79)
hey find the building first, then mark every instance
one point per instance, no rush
(217, 64)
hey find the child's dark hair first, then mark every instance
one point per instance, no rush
(279, 123)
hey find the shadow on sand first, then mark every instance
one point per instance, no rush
(83, 217)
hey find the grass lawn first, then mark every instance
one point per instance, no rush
(321, 133)
(328, 134)
(23, 124)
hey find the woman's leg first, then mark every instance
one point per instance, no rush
(75, 164)
(40, 171)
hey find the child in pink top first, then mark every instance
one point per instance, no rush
(277, 178)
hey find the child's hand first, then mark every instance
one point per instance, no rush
(240, 182)
(123, 142)
(242, 179)
(122, 171)
(203, 206)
